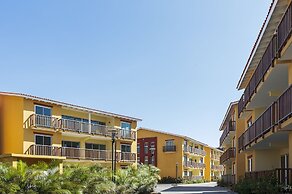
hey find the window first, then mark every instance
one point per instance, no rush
(82, 120)
(185, 173)
(125, 148)
(169, 142)
(201, 173)
(93, 146)
(138, 148)
(138, 159)
(152, 160)
(145, 159)
(249, 122)
(185, 160)
(43, 110)
(126, 129)
(152, 147)
(249, 164)
(190, 173)
(145, 147)
(70, 144)
(43, 140)
(202, 160)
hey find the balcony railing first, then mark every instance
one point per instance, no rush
(228, 154)
(228, 179)
(284, 28)
(192, 164)
(43, 150)
(194, 150)
(126, 157)
(169, 148)
(283, 175)
(217, 167)
(43, 121)
(273, 115)
(79, 153)
(215, 156)
(231, 126)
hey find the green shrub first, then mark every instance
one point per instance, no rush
(44, 178)
(169, 180)
(260, 186)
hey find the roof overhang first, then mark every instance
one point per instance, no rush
(268, 29)
(227, 114)
(72, 106)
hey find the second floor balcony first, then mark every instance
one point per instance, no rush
(228, 154)
(231, 126)
(42, 121)
(169, 148)
(192, 164)
(195, 151)
(217, 167)
(274, 115)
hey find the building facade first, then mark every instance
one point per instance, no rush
(178, 156)
(265, 136)
(37, 129)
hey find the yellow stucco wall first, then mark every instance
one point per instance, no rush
(207, 161)
(16, 136)
(166, 161)
(11, 133)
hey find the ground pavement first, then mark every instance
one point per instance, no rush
(200, 188)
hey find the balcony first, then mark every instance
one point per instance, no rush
(231, 126)
(215, 156)
(43, 121)
(283, 33)
(169, 148)
(192, 164)
(275, 114)
(228, 179)
(228, 154)
(193, 150)
(217, 167)
(283, 175)
(79, 153)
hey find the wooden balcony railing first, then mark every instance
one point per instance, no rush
(169, 148)
(229, 153)
(280, 110)
(283, 175)
(228, 179)
(36, 120)
(231, 126)
(217, 167)
(284, 28)
(273, 50)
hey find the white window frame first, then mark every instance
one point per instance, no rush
(48, 107)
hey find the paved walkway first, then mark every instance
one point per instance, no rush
(192, 189)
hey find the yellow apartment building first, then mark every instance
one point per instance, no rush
(178, 156)
(38, 129)
(265, 108)
(232, 127)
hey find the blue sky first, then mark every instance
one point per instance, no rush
(175, 64)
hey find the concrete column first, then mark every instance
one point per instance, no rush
(290, 74)
(290, 149)
(89, 120)
(61, 169)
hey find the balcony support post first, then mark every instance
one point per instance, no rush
(89, 123)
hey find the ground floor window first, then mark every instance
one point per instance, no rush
(249, 164)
